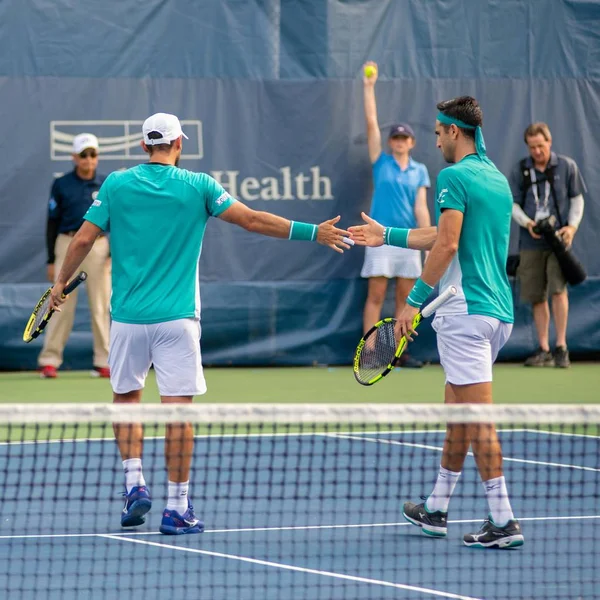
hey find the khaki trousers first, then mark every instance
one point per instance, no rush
(97, 267)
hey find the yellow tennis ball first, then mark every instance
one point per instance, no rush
(370, 70)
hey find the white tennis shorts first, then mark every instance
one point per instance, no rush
(390, 261)
(468, 346)
(173, 347)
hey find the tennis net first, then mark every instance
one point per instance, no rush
(298, 501)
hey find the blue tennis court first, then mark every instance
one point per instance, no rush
(298, 515)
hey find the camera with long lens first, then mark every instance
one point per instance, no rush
(546, 227)
(569, 264)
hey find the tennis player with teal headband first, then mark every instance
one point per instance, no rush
(473, 209)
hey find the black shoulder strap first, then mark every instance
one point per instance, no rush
(550, 177)
(525, 181)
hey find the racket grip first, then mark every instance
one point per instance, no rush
(448, 293)
(74, 283)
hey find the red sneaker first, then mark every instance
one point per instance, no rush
(103, 372)
(48, 372)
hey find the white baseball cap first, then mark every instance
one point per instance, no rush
(83, 141)
(164, 125)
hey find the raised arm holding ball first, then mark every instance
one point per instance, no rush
(399, 200)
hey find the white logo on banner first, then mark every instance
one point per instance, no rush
(119, 140)
(286, 186)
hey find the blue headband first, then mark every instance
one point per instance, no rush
(479, 141)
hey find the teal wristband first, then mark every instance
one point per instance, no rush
(303, 231)
(395, 236)
(419, 293)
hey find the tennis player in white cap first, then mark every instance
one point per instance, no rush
(157, 215)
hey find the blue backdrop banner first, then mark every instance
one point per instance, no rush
(270, 94)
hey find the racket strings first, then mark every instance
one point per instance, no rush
(41, 313)
(378, 352)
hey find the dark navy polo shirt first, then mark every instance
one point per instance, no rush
(70, 199)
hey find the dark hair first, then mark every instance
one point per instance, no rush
(159, 148)
(465, 109)
(536, 129)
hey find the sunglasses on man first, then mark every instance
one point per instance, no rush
(88, 154)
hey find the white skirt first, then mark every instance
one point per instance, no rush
(390, 261)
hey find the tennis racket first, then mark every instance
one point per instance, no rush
(41, 313)
(378, 350)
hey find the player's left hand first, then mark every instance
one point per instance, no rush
(404, 322)
(329, 235)
(56, 296)
(567, 233)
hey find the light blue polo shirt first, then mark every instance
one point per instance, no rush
(395, 191)
(157, 215)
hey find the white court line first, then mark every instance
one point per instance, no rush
(283, 528)
(548, 464)
(242, 530)
(580, 435)
(288, 434)
(438, 449)
(268, 563)
(236, 435)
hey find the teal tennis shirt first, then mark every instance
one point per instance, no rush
(157, 215)
(475, 187)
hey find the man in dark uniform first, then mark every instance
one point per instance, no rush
(71, 196)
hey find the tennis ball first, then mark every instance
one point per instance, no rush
(370, 70)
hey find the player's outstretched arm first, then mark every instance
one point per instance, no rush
(374, 234)
(440, 257)
(271, 225)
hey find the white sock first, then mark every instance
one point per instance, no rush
(178, 496)
(444, 486)
(497, 497)
(133, 473)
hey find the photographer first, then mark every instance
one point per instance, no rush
(546, 185)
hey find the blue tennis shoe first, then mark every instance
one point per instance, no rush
(137, 504)
(175, 524)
